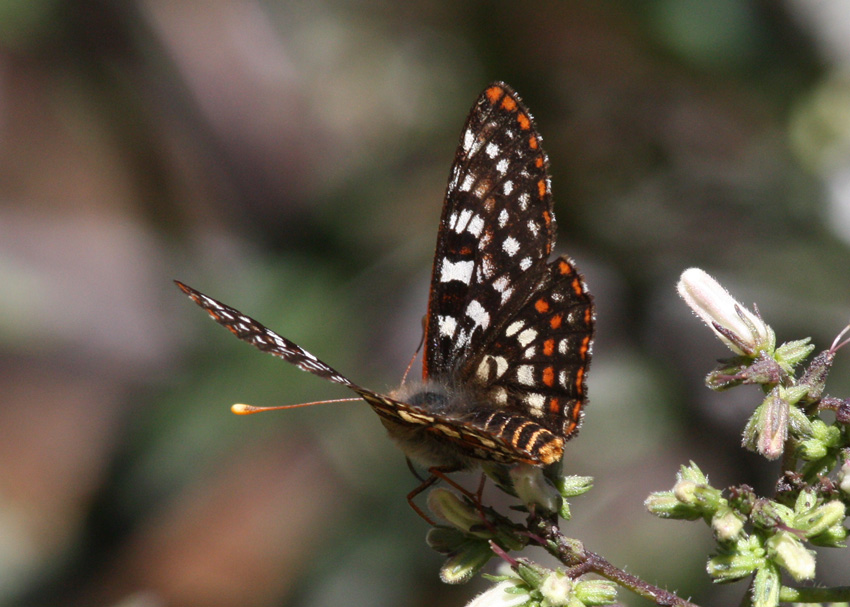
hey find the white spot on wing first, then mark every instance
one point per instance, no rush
(508, 187)
(503, 218)
(476, 225)
(502, 168)
(478, 314)
(462, 220)
(535, 402)
(467, 183)
(526, 337)
(492, 150)
(487, 267)
(525, 375)
(468, 140)
(460, 271)
(510, 246)
(523, 201)
(525, 263)
(514, 327)
(447, 325)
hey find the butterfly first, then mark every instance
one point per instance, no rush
(508, 333)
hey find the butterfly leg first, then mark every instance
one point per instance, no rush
(419, 489)
(439, 473)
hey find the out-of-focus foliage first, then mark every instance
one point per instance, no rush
(290, 158)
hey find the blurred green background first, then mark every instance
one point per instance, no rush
(290, 158)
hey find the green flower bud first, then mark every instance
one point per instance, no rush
(792, 353)
(595, 592)
(533, 488)
(805, 502)
(664, 504)
(738, 561)
(768, 514)
(692, 473)
(811, 450)
(832, 537)
(817, 521)
(685, 491)
(462, 566)
(530, 572)
(452, 509)
(731, 567)
(766, 586)
(572, 486)
(767, 428)
(791, 555)
(557, 589)
(727, 524)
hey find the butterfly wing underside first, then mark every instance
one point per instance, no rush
(505, 328)
(500, 317)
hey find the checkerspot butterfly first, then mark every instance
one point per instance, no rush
(507, 334)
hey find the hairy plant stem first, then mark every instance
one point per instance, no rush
(581, 561)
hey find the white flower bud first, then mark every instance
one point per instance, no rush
(713, 304)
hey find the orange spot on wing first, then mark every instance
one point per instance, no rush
(556, 321)
(588, 316)
(524, 122)
(494, 93)
(548, 347)
(541, 188)
(539, 162)
(547, 218)
(549, 376)
(509, 104)
(564, 268)
(585, 346)
(577, 288)
(554, 406)
(532, 143)
(541, 305)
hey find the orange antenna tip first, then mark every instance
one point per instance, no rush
(240, 409)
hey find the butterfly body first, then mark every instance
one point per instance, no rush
(508, 334)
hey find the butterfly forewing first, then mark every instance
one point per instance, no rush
(249, 330)
(497, 225)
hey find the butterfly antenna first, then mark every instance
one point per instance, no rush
(418, 348)
(242, 409)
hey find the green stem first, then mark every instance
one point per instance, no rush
(835, 594)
